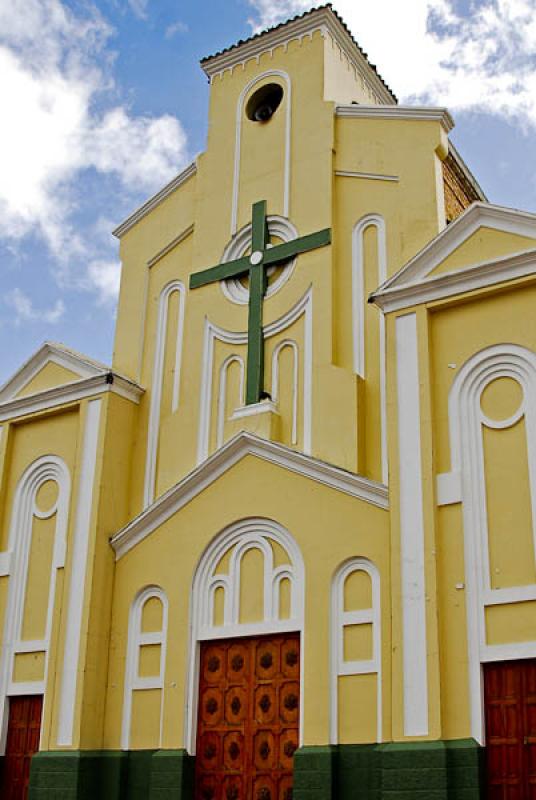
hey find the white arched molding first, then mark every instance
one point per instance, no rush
(136, 640)
(25, 510)
(340, 619)
(276, 73)
(222, 393)
(158, 380)
(466, 484)
(359, 303)
(213, 332)
(293, 347)
(238, 539)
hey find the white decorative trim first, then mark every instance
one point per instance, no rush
(411, 529)
(466, 420)
(136, 640)
(155, 200)
(321, 20)
(171, 246)
(276, 73)
(70, 393)
(213, 332)
(341, 619)
(47, 468)
(290, 343)
(279, 227)
(240, 537)
(404, 288)
(160, 348)
(21, 689)
(50, 353)
(448, 488)
(358, 306)
(422, 113)
(254, 409)
(80, 546)
(450, 284)
(222, 393)
(5, 563)
(369, 176)
(219, 463)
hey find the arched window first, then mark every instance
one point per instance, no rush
(356, 634)
(146, 655)
(359, 306)
(162, 345)
(287, 344)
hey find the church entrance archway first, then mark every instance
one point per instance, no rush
(248, 718)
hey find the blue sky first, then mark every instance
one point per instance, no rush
(104, 102)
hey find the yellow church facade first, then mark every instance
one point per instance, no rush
(285, 546)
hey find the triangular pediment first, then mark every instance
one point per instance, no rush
(242, 445)
(483, 245)
(52, 365)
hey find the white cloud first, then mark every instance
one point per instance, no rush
(59, 124)
(176, 27)
(139, 8)
(105, 276)
(25, 311)
(427, 51)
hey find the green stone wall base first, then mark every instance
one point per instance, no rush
(394, 771)
(112, 775)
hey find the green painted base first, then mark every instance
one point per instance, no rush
(409, 771)
(112, 775)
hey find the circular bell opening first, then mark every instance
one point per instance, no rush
(263, 103)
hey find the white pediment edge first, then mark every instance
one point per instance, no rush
(221, 461)
(50, 353)
(478, 215)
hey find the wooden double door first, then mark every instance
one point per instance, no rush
(24, 727)
(248, 718)
(510, 703)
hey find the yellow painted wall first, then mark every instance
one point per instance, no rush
(49, 376)
(486, 244)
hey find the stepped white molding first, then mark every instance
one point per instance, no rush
(254, 533)
(155, 200)
(240, 446)
(369, 176)
(164, 251)
(466, 419)
(24, 510)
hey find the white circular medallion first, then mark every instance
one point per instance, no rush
(255, 258)
(233, 289)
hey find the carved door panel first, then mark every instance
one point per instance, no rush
(248, 718)
(23, 732)
(510, 700)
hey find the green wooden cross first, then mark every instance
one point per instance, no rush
(262, 256)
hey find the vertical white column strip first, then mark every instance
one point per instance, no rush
(78, 574)
(411, 529)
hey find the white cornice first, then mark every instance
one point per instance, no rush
(241, 445)
(425, 113)
(69, 393)
(449, 284)
(323, 20)
(478, 215)
(50, 352)
(155, 200)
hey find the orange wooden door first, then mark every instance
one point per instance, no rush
(248, 718)
(22, 742)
